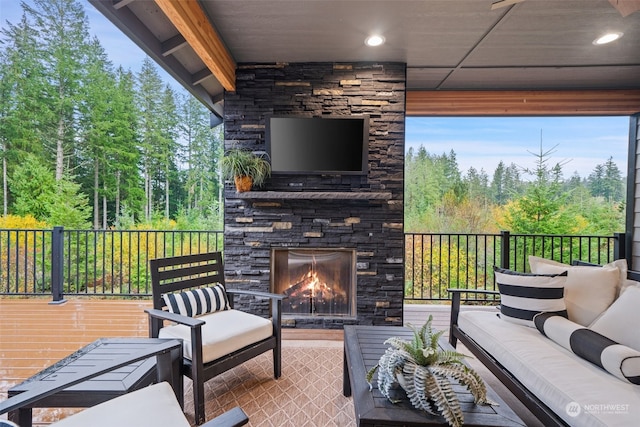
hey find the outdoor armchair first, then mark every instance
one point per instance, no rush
(190, 292)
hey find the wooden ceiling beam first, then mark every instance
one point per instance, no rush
(191, 21)
(523, 103)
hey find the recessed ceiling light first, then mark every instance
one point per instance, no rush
(607, 38)
(374, 40)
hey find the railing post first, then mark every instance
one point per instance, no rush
(620, 247)
(57, 265)
(505, 249)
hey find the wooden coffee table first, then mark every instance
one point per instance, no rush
(363, 346)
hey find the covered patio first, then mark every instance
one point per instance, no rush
(35, 334)
(246, 60)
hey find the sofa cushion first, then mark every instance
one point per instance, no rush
(588, 290)
(224, 332)
(197, 301)
(619, 360)
(523, 295)
(151, 406)
(558, 377)
(619, 322)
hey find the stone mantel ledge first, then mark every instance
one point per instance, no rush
(310, 195)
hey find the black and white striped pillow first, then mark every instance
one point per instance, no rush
(523, 295)
(197, 301)
(617, 359)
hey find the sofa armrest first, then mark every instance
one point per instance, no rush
(455, 308)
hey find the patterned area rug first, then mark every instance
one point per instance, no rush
(309, 393)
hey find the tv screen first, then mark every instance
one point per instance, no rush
(337, 145)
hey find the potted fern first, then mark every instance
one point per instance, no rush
(246, 168)
(426, 374)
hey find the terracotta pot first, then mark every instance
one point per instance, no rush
(243, 183)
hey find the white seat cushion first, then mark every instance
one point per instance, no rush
(558, 377)
(151, 406)
(224, 332)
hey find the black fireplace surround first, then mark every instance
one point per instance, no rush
(360, 214)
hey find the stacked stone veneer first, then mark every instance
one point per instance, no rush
(373, 227)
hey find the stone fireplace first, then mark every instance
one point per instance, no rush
(299, 221)
(317, 282)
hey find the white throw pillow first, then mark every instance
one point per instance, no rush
(523, 295)
(588, 291)
(620, 321)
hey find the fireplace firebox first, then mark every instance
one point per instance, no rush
(317, 282)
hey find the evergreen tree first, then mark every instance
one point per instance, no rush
(62, 29)
(125, 155)
(202, 150)
(613, 182)
(97, 112)
(150, 111)
(22, 82)
(541, 210)
(477, 185)
(498, 191)
(167, 150)
(38, 193)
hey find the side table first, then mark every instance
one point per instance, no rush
(165, 366)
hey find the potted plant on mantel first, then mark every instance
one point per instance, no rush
(246, 168)
(418, 370)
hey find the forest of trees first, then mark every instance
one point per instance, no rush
(535, 200)
(87, 144)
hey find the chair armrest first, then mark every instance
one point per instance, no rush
(173, 317)
(232, 418)
(256, 294)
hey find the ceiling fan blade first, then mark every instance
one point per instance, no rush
(497, 4)
(626, 7)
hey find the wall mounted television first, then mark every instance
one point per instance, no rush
(314, 145)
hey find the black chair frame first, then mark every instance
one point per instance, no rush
(176, 274)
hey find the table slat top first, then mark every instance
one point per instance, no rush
(364, 345)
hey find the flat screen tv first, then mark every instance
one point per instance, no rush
(335, 145)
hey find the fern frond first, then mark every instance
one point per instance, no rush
(445, 400)
(449, 356)
(396, 342)
(390, 364)
(468, 378)
(435, 337)
(413, 384)
(369, 376)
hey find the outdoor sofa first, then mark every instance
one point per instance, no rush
(562, 369)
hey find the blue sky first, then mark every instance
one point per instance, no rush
(581, 142)
(479, 142)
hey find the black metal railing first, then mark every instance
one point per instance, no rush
(62, 262)
(436, 262)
